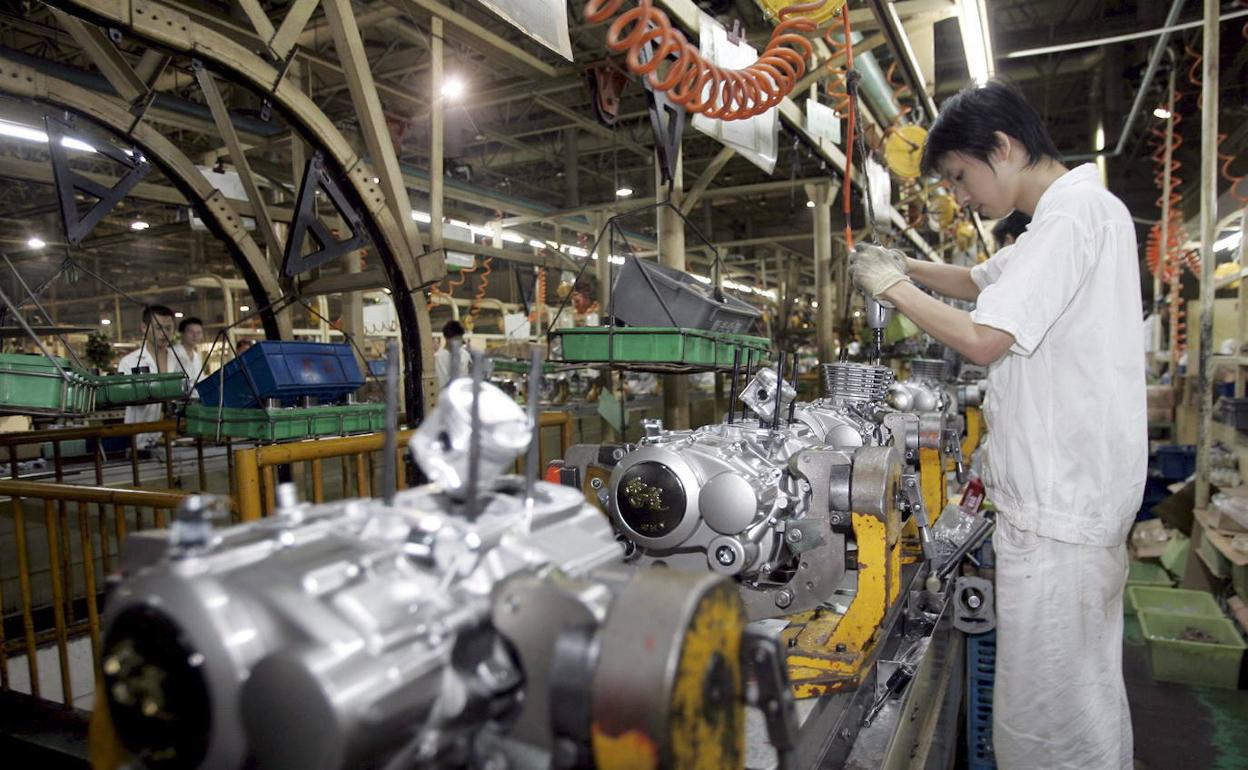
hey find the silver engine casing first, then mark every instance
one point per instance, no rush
(371, 620)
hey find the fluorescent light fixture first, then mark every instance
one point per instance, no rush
(422, 217)
(513, 238)
(538, 244)
(976, 42)
(244, 308)
(1162, 113)
(36, 242)
(810, 204)
(105, 321)
(1229, 242)
(452, 88)
(139, 225)
(624, 192)
(18, 131)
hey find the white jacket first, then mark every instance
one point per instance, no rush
(1066, 410)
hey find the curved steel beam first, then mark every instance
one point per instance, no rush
(166, 27)
(114, 116)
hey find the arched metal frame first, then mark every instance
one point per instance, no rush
(113, 116)
(170, 29)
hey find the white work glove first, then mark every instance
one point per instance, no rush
(875, 269)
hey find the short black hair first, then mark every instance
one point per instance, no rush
(155, 310)
(188, 322)
(452, 329)
(968, 123)
(1010, 227)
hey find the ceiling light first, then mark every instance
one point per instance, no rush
(421, 216)
(105, 321)
(178, 314)
(139, 225)
(513, 238)
(1162, 113)
(624, 192)
(452, 88)
(244, 308)
(976, 42)
(810, 204)
(36, 242)
(18, 131)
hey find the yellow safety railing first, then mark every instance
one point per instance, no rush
(54, 589)
(255, 474)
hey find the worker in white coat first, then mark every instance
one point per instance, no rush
(154, 354)
(1057, 323)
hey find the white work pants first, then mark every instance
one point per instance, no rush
(1059, 700)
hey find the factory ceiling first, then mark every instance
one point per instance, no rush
(522, 141)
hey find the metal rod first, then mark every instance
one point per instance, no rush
(23, 580)
(732, 390)
(87, 543)
(389, 455)
(775, 412)
(1208, 234)
(58, 598)
(793, 403)
(983, 530)
(535, 446)
(1100, 42)
(474, 438)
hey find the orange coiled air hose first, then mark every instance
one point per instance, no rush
(694, 82)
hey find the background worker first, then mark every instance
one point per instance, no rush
(190, 335)
(154, 354)
(453, 359)
(1057, 323)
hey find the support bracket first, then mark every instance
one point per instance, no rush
(305, 222)
(69, 182)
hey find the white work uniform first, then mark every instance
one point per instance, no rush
(140, 357)
(442, 364)
(191, 363)
(1067, 450)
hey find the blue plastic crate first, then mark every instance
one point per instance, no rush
(286, 371)
(377, 367)
(981, 667)
(1176, 462)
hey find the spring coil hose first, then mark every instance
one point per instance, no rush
(691, 80)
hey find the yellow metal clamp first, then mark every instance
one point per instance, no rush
(831, 651)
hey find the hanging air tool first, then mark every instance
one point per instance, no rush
(877, 318)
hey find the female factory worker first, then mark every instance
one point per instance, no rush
(1057, 323)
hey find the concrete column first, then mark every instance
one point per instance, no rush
(571, 170)
(825, 313)
(672, 254)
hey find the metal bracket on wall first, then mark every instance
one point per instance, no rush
(70, 183)
(306, 222)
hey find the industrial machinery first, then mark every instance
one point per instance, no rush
(805, 512)
(928, 394)
(481, 620)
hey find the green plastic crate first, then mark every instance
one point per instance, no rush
(1173, 601)
(283, 424)
(115, 390)
(1213, 663)
(658, 347)
(34, 385)
(1214, 559)
(1144, 573)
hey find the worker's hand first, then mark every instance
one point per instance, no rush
(875, 269)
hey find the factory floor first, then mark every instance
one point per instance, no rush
(1182, 726)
